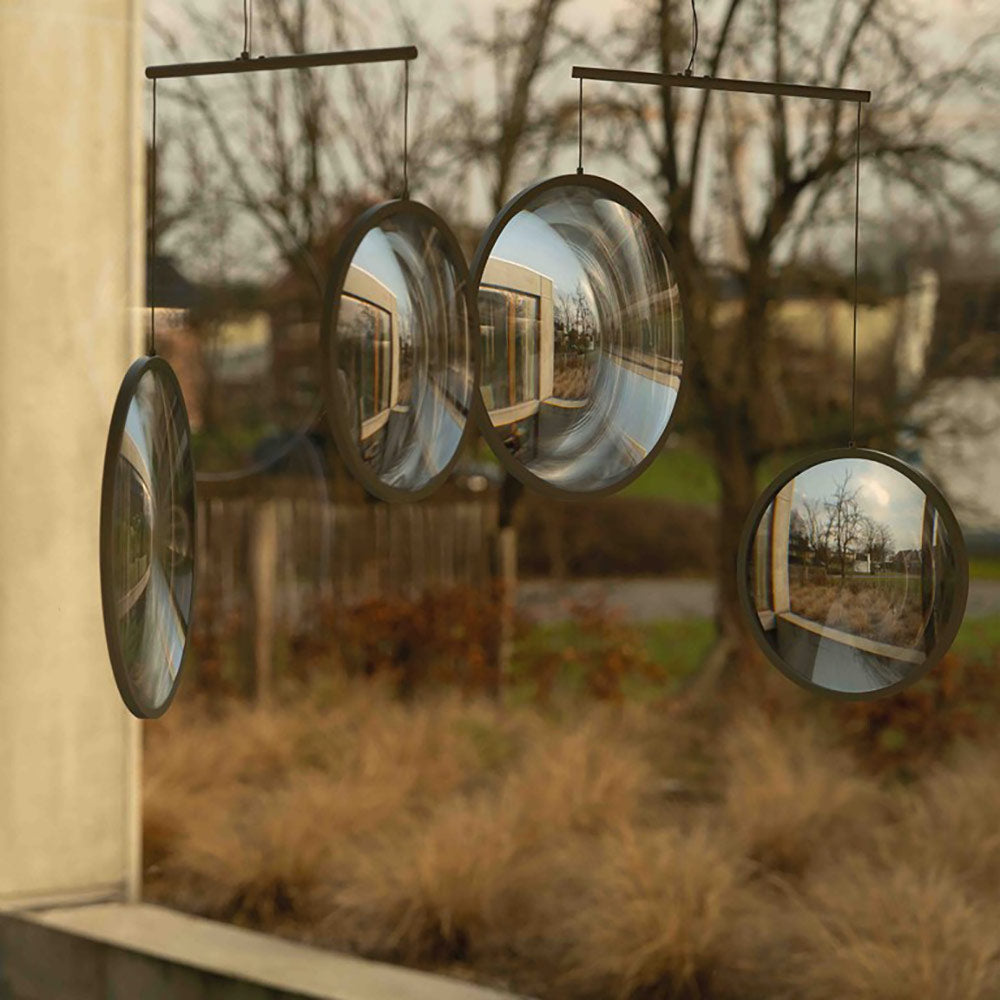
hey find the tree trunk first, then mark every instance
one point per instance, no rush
(731, 654)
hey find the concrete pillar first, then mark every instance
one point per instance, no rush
(71, 234)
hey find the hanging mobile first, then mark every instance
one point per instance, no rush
(398, 352)
(852, 569)
(582, 334)
(147, 533)
(148, 514)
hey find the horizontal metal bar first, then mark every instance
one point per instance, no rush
(720, 83)
(265, 63)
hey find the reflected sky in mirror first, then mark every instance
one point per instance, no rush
(403, 352)
(152, 535)
(581, 338)
(853, 575)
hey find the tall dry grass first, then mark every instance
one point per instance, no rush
(792, 794)
(590, 850)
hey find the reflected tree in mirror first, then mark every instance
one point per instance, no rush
(855, 573)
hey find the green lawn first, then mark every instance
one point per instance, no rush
(685, 475)
(978, 638)
(984, 567)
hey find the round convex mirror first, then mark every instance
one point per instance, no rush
(147, 537)
(581, 336)
(398, 353)
(853, 573)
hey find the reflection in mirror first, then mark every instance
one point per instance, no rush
(581, 335)
(855, 576)
(147, 537)
(400, 350)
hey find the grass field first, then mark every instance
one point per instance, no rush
(683, 475)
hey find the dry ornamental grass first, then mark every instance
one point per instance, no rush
(578, 853)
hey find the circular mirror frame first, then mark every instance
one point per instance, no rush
(116, 432)
(947, 634)
(336, 405)
(614, 192)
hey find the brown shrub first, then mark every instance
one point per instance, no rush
(952, 821)
(791, 794)
(863, 930)
(435, 895)
(904, 732)
(651, 914)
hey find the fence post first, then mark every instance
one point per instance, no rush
(507, 573)
(263, 570)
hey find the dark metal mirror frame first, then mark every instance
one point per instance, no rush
(116, 431)
(614, 192)
(336, 404)
(945, 635)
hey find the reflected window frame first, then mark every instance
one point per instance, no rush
(516, 445)
(338, 394)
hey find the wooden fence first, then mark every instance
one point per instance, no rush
(269, 558)
(294, 552)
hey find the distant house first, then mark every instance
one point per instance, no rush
(175, 296)
(953, 346)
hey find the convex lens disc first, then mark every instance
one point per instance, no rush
(581, 336)
(853, 573)
(148, 537)
(398, 352)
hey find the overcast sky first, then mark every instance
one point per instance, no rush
(954, 24)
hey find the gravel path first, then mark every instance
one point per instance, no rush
(646, 600)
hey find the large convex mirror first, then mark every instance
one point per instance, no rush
(853, 573)
(147, 537)
(398, 353)
(581, 336)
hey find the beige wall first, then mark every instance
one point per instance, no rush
(70, 277)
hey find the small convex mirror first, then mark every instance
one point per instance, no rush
(853, 573)
(581, 336)
(147, 537)
(398, 354)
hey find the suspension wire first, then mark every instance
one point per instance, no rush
(151, 243)
(406, 130)
(694, 40)
(247, 28)
(579, 129)
(857, 229)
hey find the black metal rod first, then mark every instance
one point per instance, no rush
(266, 63)
(720, 83)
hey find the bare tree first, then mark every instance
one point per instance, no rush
(294, 151)
(802, 183)
(518, 124)
(816, 530)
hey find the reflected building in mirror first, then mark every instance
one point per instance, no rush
(399, 350)
(581, 335)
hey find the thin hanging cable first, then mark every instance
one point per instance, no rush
(406, 130)
(151, 247)
(694, 40)
(857, 230)
(579, 129)
(247, 28)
